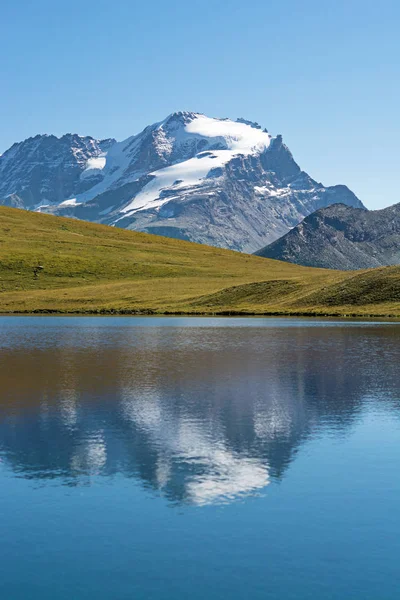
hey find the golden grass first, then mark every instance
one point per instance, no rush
(90, 268)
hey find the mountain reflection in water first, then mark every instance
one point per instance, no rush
(200, 414)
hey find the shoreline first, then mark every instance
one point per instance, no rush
(223, 313)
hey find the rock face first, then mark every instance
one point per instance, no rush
(46, 170)
(213, 181)
(342, 237)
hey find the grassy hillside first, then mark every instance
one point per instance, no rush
(89, 268)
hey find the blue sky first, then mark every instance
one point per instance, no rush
(324, 74)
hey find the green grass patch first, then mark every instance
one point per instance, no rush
(90, 268)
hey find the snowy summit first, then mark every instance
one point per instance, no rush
(183, 134)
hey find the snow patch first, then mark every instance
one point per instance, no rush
(94, 166)
(98, 162)
(270, 191)
(190, 172)
(70, 202)
(239, 137)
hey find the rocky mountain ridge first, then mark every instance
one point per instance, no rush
(46, 170)
(342, 237)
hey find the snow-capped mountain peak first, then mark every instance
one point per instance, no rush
(195, 145)
(175, 154)
(216, 181)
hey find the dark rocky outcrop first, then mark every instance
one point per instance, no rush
(341, 237)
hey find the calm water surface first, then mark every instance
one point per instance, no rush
(179, 458)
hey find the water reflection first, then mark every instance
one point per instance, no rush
(198, 414)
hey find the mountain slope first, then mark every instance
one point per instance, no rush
(214, 181)
(342, 237)
(90, 268)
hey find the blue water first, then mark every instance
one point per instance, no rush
(177, 458)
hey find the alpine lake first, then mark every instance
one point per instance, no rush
(174, 458)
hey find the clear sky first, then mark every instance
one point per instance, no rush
(325, 74)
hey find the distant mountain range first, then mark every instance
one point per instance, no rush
(342, 237)
(213, 181)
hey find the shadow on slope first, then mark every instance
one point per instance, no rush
(376, 286)
(258, 293)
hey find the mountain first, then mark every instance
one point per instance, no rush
(342, 237)
(213, 181)
(45, 170)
